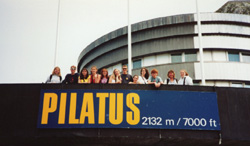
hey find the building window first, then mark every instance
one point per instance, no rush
(246, 57)
(190, 57)
(247, 85)
(236, 85)
(196, 82)
(235, 57)
(149, 61)
(176, 58)
(137, 64)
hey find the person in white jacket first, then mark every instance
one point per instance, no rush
(185, 79)
(55, 77)
(143, 78)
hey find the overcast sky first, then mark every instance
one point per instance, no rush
(28, 30)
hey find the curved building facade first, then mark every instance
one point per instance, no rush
(172, 43)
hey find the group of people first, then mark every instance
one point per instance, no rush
(117, 78)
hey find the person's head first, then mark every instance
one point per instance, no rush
(171, 74)
(116, 72)
(73, 69)
(104, 73)
(84, 73)
(154, 73)
(183, 73)
(144, 73)
(124, 69)
(56, 71)
(94, 70)
(135, 78)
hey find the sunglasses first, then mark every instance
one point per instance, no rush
(73, 69)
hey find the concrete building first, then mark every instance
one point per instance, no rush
(172, 43)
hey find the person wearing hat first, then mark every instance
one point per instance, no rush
(126, 78)
(71, 78)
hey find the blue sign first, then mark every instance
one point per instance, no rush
(156, 109)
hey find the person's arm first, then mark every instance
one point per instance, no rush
(149, 80)
(119, 79)
(157, 85)
(161, 81)
(110, 79)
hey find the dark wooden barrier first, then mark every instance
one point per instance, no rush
(19, 104)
